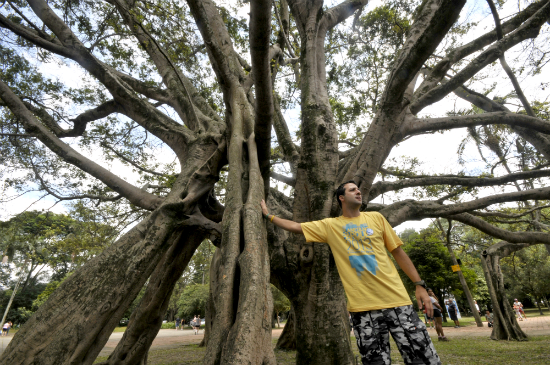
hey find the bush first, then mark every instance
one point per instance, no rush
(168, 325)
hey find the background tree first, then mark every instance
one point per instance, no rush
(178, 92)
(192, 301)
(280, 304)
(525, 274)
(433, 262)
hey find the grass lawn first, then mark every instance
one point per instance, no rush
(458, 351)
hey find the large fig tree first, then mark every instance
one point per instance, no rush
(186, 93)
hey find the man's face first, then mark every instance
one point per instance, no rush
(352, 197)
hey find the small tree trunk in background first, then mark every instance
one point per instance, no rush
(463, 280)
(10, 301)
(505, 326)
(287, 341)
(540, 308)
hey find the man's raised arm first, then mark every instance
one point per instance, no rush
(285, 224)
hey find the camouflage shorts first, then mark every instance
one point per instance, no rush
(372, 331)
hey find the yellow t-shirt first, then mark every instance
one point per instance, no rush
(358, 245)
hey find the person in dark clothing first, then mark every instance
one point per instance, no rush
(452, 313)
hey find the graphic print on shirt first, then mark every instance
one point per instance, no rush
(361, 255)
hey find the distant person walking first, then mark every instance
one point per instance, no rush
(438, 317)
(6, 328)
(489, 317)
(178, 323)
(518, 308)
(452, 313)
(477, 307)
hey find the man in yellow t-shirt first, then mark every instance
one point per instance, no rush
(377, 300)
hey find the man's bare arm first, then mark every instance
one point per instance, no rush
(285, 224)
(407, 266)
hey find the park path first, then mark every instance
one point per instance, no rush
(169, 338)
(534, 326)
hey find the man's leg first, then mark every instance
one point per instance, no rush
(372, 337)
(410, 335)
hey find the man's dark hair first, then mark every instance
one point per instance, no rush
(340, 190)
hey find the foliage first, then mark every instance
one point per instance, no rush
(50, 288)
(433, 263)
(526, 273)
(56, 241)
(280, 301)
(22, 302)
(193, 301)
(198, 270)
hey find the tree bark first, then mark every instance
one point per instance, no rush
(78, 318)
(240, 290)
(287, 340)
(146, 320)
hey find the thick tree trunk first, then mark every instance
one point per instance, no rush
(146, 320)
(78, 318)
(306, 273)
(287, 340)
(505, 326)
(322, 323)
(240, 289)
(76, 321)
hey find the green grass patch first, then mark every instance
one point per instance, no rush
(476, 351)
(458, 351)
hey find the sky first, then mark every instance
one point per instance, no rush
(437, 152)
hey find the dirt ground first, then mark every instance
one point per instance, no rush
(170, 338)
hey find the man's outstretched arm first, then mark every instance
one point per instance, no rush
(285, 224)
(407, 266)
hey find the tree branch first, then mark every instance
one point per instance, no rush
(529, 29)
(434, 20)
(341, 12)
(382, 187)
(171, 75)
(80, 122)
(505, 66)
(504, 215)
(167, 130)
(218, 43)
(415, 126)
(282, 178)
(512, 237)
(282, 26)
(260, 28)
(74, 197)
(440, 69)
(284, 138)
(131, 162)
(34, 127)
(52, 45)
(539, 140)
(405, 210)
